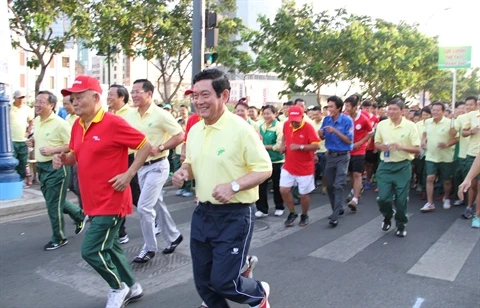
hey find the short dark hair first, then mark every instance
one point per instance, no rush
(458, 104)
(398, 102)
(316, 108)
(337, 100)
(183, 105)
(121, 92)
(416, 113)
(146, 85)
(219, 80)
(52, 98)
(325, 107)
(375, 106)
(298, 100)
(271, 107)
(253, 107)
(289, 103)
(353, 100)
(241, 104)
(426, 110)
(471, 97)
(439, 103)
(367, 103)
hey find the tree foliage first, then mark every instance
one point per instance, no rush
(32, 27)
(440, 84)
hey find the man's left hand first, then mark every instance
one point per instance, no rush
(356, 145)
(223, 193)
(121, 181)
(46, 151)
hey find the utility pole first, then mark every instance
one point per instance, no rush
(198, 41)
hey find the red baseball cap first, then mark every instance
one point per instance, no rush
(295, 114)
(83, 83)
(189, 91)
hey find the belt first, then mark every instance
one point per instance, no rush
(213, 206)
(148, 163)
(335, 154)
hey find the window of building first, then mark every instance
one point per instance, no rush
(52, 82)
(65, 82)
(22, 58)
(65, 62)
(22, 80)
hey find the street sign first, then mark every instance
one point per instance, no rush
(454, 57)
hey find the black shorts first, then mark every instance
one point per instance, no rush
(357, 164)
(372, 158)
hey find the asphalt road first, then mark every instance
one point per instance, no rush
(354, 265)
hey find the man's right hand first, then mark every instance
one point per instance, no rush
(59, 160)
(180, 177)
(29, 142)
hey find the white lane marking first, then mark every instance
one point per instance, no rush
(418, 303)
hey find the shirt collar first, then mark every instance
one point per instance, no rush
(221, 122)
(301, 126)
(359, 113)
(50, 117)
(124, 107)
(401, 124)
(98, 117)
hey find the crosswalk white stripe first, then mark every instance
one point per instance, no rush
(347, 246)
(445, 259)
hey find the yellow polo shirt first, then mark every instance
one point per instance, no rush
(317, 127)
(405, 134)
(70, 118)
(224, 152)
(472, 121)
(123, 113)
(157, 125)
(51, 133)
(254, 124)
(463, 141)
(282, 118)
(438, 133)
(421, 128)
(19, 118)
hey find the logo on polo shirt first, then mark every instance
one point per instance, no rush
(220, 151)
(150, 124)
(358, 126)
(301, 136)
(96, 138)
(47, 134)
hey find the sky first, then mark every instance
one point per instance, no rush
(457, 23)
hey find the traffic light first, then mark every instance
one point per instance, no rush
(210, 58)
(211, 28)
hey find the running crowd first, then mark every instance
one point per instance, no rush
(113, 160)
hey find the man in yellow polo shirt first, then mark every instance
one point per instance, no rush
(472, 129)
(398, 140)
(21, 122)
(228, 161)
(463, 143)
(158, 125)
(52, 136)
(117, 101)
(68, 106)
(439, 149)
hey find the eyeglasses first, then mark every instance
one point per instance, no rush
(136, 92)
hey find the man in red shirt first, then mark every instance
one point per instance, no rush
(99, 146)
(362, 132)
(372, 156)
(300, 141)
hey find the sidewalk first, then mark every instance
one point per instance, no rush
(32, 200)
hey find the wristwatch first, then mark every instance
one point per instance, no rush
(235, 186)
(161, 148)
(302, 147)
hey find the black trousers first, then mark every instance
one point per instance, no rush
(262, 203)
(220, 239)
(135, 188)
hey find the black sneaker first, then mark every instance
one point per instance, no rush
(80, 225)
(173, 245)
(53, 246)
(303, 220)
(144, 256)
(387, 223)
(291, 218)
(333, 223)
(401, 232)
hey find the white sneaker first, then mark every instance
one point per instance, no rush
(136, 292)
(124, 239)
(260, 214)
(279, 212)
(446, 204)
(179, 192)
(428, 207)
(118, 297)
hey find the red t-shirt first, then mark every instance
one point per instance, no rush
(299, 162)
(374, 120)
(102, 153)
(362, 126)
(192, 120)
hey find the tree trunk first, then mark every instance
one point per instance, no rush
(38, 82)
(319, 96)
